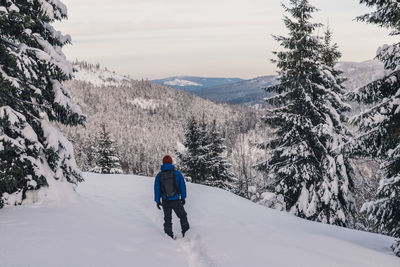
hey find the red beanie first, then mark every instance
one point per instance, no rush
(167, 159)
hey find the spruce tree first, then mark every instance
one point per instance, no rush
(189, 160)
(32, 68)
(304, 168)
(380, 124)
(203, 160)
(220, 175)
(203, 155)
(331, 53)
(105, 155)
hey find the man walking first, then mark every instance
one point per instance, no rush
(170, 186)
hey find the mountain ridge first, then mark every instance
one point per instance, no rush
(250, 92)
(194, 83)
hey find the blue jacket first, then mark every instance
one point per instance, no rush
(180, 182)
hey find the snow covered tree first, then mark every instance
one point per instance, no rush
(33, 153)
(189, 160)
(380, 123)
(204, 164)
(304, 169)
(203, 160)
(330, 52)
(105, 155)
(194, 161)
(220, 175)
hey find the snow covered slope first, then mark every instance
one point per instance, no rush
(115, 223)
(98, 76)
(361, 73)
(193, 83)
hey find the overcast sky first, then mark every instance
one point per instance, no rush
(213, 38)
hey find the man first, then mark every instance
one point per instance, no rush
(170, 186)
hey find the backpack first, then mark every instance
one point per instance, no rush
(168, 183)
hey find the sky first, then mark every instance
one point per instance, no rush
(153, 39)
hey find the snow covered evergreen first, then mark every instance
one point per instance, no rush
(203, 152)
(105, 156)
(189, 160)
(380, 123)
(221, 176)
(33, 153)
(304, 170)
(204, 160)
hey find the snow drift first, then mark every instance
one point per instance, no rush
(115, 223)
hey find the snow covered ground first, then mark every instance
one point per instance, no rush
(181, 83)
(99, 76)
(114, 222)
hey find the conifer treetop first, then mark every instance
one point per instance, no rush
(386, 14)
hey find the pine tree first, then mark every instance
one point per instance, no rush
(331, 53)
(314, 181)
(106, 159)
(220, 175)
(204, 163)
(189, 161)
(380, 124)
(32, 67)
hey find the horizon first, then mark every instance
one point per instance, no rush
(149, 40)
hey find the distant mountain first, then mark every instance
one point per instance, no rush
(250, 92)
(193, 84)
(361, 73)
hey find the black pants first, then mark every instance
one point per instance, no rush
(176, 205)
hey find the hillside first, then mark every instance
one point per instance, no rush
(146, 120)
(114, 222)
(193, 83)
(361, 73)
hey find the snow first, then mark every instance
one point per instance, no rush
(179, 82)
(113, 221)
(62, 97)
(361, 73)
(54, 53)
(3, 9)
(56, 191)
(144, 103)
(13, 8)
(99, 76)
(47, 8)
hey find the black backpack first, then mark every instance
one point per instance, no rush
(168, 183)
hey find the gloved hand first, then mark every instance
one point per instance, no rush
(158, 205)
(183, 201)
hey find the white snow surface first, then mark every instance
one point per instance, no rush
(115, 223)
(99, 76)
(182, 83)
(144, 103)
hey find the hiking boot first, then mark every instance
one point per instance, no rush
(184, 232)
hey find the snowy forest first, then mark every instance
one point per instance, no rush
(325, 148)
